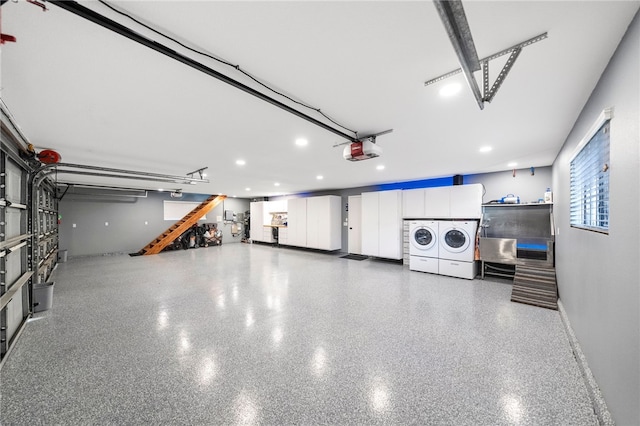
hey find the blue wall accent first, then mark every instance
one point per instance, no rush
(414, 184)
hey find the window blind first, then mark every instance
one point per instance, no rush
(589, 183)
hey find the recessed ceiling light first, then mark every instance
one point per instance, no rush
(513, 164)
(241, 162)
(204, 175)
(247, 189)
(276, 184)
(380, 167)
(319, 177)
(485, 149)
(301, 142)
(450, 89)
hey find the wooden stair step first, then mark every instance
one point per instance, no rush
(191, 218)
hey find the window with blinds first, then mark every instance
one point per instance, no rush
(589, 179)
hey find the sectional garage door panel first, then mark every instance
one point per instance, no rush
(13, 221)
(15, 239)
(13, 183)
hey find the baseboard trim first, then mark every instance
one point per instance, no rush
(597, 400)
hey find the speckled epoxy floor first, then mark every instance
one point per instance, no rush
(252, 334)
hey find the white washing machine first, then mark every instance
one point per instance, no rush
(457, 248)
(423, 246)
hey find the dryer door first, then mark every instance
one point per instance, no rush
(455, 240)
(423, 238)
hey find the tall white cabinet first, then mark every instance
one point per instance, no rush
(324, 222)
(297, 222)
(257, 220)
(382, 224)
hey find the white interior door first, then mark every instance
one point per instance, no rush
(354, 221)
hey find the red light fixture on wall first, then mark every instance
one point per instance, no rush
(49, 156)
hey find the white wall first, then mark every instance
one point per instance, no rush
(529, 187)
(598, 274)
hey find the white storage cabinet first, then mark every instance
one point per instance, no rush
(382, 224)
(436, 202)
(261, 216)
(283, 236)
(257, 220)
(444, 202)
(324, 222)
(297, 222)
(314, 222)
(413, 203)
(466, 201)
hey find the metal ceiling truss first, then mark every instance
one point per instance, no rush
(62, 168)
(455, 22)
(99, 190)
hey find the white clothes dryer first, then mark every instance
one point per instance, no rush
(457, 249)
(423, 246)
(458, 240)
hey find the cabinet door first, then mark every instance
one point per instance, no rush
(390, 224)
(370, 221)
(322, 204)
(324, 222)
(283, 236)
(256, 221)
(314, 211)
(413, 203)
(466, 201)
(297, 222)
(334, 227)
(301, 226)
(292, 221)
(267, 234)
(436, 202)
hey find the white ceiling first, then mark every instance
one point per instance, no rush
(100, 99)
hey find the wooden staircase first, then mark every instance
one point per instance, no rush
(168, 236)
